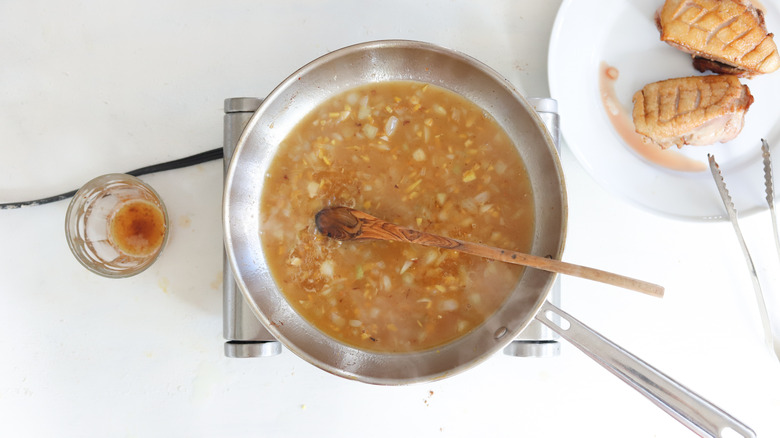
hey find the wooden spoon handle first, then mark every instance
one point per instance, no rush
(377, 229)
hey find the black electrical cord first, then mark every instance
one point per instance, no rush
(214, 154)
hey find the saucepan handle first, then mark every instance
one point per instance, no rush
(687, 407)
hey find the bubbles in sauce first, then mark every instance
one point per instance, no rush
(621, 120)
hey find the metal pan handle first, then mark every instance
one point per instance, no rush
(687, 407)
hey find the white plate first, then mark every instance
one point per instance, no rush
(623, 34)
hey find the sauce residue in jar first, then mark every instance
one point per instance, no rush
(138, 228)
(624, 126)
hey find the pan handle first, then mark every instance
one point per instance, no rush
(684, 405)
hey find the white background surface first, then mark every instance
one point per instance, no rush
(90, 87)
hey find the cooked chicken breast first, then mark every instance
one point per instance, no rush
(724, 36)
(698, 110)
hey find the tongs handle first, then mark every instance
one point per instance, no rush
(684, 405)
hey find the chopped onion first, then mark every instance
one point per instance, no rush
(448, 305)
(370, 131)
(313, 188)
(326, 268)
(482, 197)
(469, 205)
(391, 125)
(363, 111)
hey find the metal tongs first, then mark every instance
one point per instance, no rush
(772, 343)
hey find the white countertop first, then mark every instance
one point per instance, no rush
(93, 87)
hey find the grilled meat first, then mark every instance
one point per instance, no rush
(723, 36)
(698, 110)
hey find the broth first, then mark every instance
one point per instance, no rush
(416, 155)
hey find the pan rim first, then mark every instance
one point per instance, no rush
(229, 207)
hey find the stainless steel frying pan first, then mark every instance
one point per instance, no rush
(407, 60)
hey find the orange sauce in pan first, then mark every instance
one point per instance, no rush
(624, 126)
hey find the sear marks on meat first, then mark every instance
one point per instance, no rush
(697, 110)
(731, 34)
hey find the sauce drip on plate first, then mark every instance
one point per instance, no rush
(624, 126)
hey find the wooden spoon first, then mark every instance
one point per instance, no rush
(343, 223)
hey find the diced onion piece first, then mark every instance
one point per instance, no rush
(327, 268)
(391, 125)
(337, 319)
(312, 188)
(482, 197)
(469, 175)
(448, 305)
(370, 131)
(363, 111)
(419, 155)
(469, 206)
